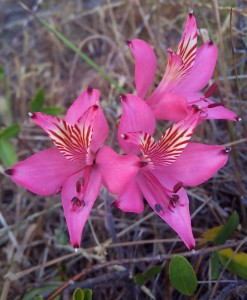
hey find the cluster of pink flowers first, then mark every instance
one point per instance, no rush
(156, 171)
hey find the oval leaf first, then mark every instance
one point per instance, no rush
(38, 101)
(227, 230)
(238, 263)
(140, 279)
(7, 153)
(10, 131)
(78, 294)
(182, 276)
(88, 294)
(53, 111)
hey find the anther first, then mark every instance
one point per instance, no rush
(89, 89)
(216, 104)
(210, 90)
(177, 186)
(227, 150)
(9, 172)
(158, 207)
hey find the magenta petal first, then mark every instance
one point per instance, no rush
(171, 107)
(44, 172)
(136, 116)
(196, 164)
(130, 199)
(201, 71)
(178, 218)
(76, 218)
(220, 112)
(145, 65)
(116, 170)
(86, 99)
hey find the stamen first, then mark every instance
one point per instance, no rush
(177, 187)
(216, 104)
(174, 200)
(210, 90)
(89, 89)
(227, 150)
(9, 172)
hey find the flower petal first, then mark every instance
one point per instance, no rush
(136, 116)
(178, 217)
(201, 72)
(44, 172)
(130, 199)
(171, 107)
(77, 216)
(86, 99)
(196, 164)
(145, 65)
(116, 170)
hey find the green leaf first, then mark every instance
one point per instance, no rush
(140, 279)
(1, 73)
(53, 111)
(227, 230)
(78, 294)
(38, 100)
(10, 131)
(88, 294)
(182, 276)
(238, 263)
(215, 268)
(36, 294)
(7, 153)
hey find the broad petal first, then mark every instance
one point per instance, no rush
(116, 170)
(86, 99)
(145, 65)
(136, 116)
(171, 107)
(44, 172)
(130, 199)
(178, 218)
(196, 164)
(76, 218)
(201, 72)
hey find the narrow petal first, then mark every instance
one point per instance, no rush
(130, 199)
(188, 45)
(72, 141)
(44, 172)
(76, 214)
(145, 65)
(86, 99)
(171, 144)
(136, 116)
(116, 170)
(177, 217)
(201, 72)
(196, 164)
(171, 107)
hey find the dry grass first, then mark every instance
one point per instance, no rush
(34, 243)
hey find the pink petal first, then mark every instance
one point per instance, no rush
(44, 172)
(178, 218)
(201, 72)
(116, 170)
(86, 99)
(77, 217)
(136, 116)
(218, 112)
(171, 107)
(196, 164)
(145, 65)
(130, 199)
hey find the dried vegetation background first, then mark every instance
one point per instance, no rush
(33, 236)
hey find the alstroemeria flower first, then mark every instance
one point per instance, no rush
(188, 71)
(72, 166)
(164, 167)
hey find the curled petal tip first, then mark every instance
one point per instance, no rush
(239, 119)
(210, 42)
(96, 106)
(227, 149)
(9, 172)
(89, 89)
(122, 97)
(169, 50)
(193, 251)
(76, 247)
(191, 13)
(124, 136)
(30, 114)
(128, 43)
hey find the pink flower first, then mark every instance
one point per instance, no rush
(164, 167)
(188, 71)
(72, 166)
